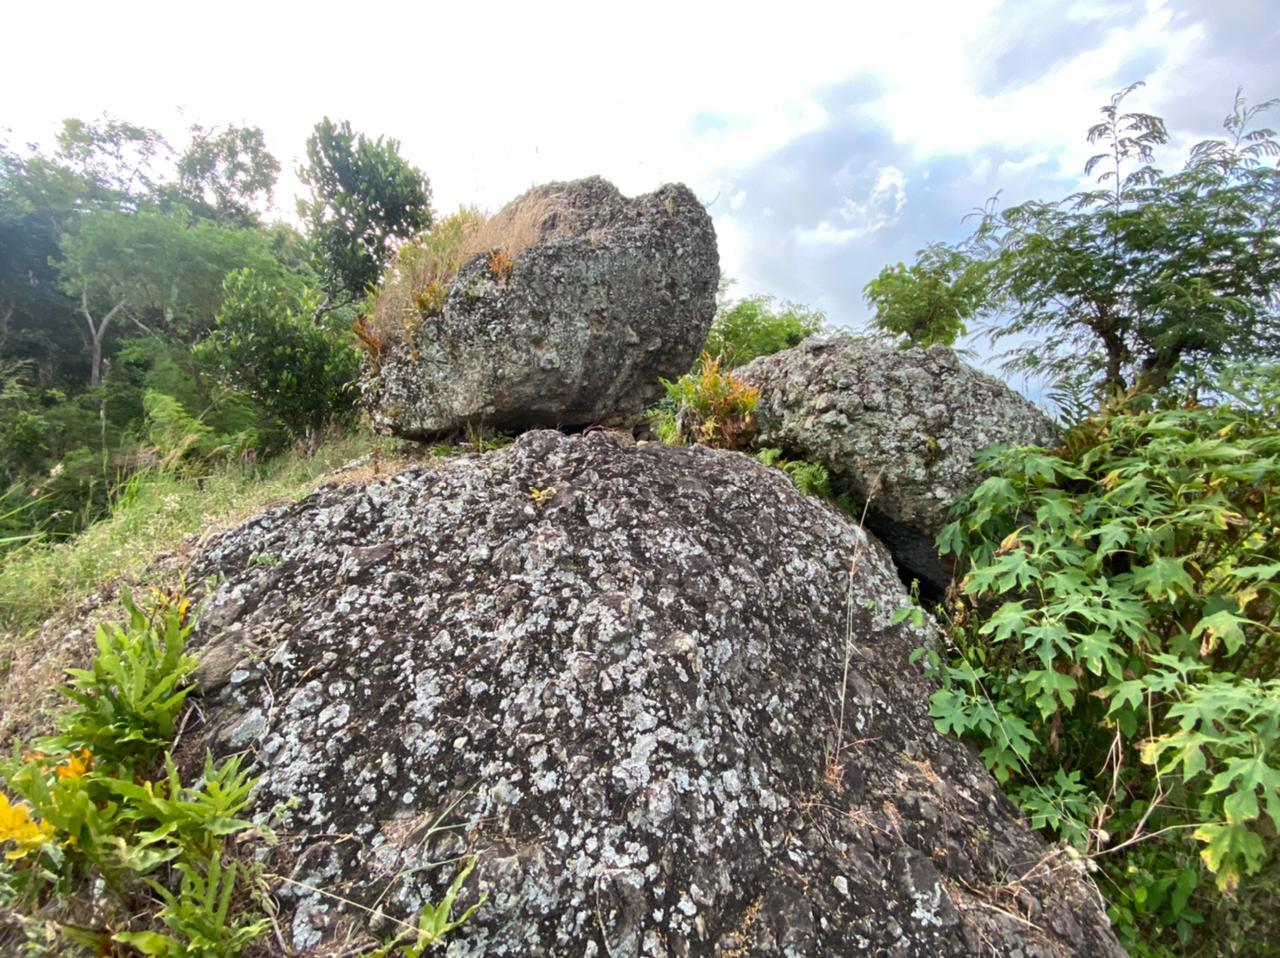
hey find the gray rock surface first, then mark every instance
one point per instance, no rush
(896, 426)
(613, 673)
(619, 293)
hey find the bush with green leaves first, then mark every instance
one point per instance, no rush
(1116, 651)
(710, 406)
(267, 344)
(758, 326)
(929, 301)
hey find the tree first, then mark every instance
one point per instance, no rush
(1152, 277)
(226, 175)
(150, 266)
(267, 344)
(929, 301)
(116, 159)
(365, 200)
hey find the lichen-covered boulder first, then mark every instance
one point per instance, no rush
(614, 674)
(576, 329)
(897, 428)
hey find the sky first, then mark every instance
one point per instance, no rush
(826, 139)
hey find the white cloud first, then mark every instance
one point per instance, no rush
(857, 218)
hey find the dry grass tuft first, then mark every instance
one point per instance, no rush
(416, 286)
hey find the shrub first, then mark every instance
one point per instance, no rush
(87, 806)
(1115, 649)
(267, 345)
(759, 326)
(710, 407)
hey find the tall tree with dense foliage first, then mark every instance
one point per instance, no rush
(227, 174)
(1153, 275)
(365, 201)
(150, 267)
(930, 301)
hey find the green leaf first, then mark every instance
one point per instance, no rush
(1164, 578)
(1229, 849)
(1224, 625)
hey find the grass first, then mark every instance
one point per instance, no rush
(153, 515)
(419, 282)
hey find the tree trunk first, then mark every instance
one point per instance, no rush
(97, 332)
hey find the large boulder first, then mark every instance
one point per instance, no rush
(614, 674)
(576, 330)
(897, 430)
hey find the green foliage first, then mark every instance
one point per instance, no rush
(435, 922)
(127, 703)
(758, 326)
(810, 478)
(1152, 279)
(711, 407)
(89, 809)
(929, 301)
(1116, 654)
(151, 267)
(365, 199)
(225, 174)
(267, 345)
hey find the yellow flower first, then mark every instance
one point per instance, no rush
(16, 826)
(76, 765)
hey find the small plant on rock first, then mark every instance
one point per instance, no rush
(712, 407)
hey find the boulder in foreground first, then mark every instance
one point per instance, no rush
(613, 674)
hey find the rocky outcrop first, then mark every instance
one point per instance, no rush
(896, 428)
(614, 674)
(575, 330)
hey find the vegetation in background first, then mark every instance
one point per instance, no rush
(151, 515)
(1113, 631)
(365, 201)
(267, 344)
(756, 326)
(1150, 279)
(930, 301)
(114, 257)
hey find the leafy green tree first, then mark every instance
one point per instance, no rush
(150, 267)
(365, 200)
(117, 161)
(227, 174)
(758, 326)
(929, 301)
(267, 344)
(1154, 275)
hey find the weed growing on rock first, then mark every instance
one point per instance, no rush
(810, 478)
(417, 285)
(712, 407)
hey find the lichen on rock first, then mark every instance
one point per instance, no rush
(897, 430)
(573, 330)
(622, 695)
